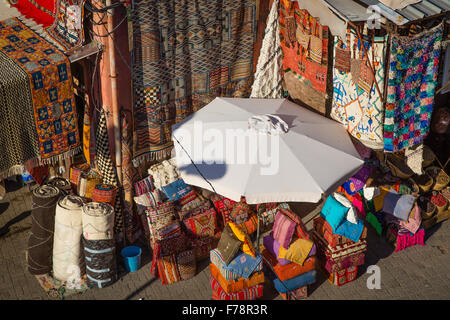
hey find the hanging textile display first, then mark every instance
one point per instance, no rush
(129, 175)
(68, 261)
(185, 54)
(413, 72)
(37, 76)
(268, 80)
(304, 43)
(40, 11)
(40, 243)
(99, 244)
(356, 103)
(107, 169)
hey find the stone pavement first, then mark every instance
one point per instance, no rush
(415, 273)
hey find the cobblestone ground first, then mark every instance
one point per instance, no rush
(415, 273)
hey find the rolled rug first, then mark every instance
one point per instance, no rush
(98, 221)
(88, 181)
(75, 173)
(101, 265)
(68, 260)
(40, 243)
(105, 193)
(62, 184)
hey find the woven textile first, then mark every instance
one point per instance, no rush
(360, 111)
(231, 286)
(101, 266)
(143, 186)
(202, 246)
(40, 11)
(244, 265)
(177, 267)
(104, 193)
(343, 276)
(67, 28)
(107, 169)
(75, 173)
(68, 257)
(240, 212)
(185, 54)
(291, 270)
(268, 80)
(283, 229)
(345, 262)
(300, 229)
(61, 289)
(132, 226)
(62, 184)
(40, 243)
(98, 221)
(251, 293)
(87, 182)
(297, 294)
(203, 224)
(296, 282)
(413, 72)
(39, 78)
(217, 259)
(340, 250)
(171, 245)
(305, 59)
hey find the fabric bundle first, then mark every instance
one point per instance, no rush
(250, 293)
(62, 184)
(289, 254)
(40, 243)
(105, 193)
(171, 81)
(68, 260)
(36, 76)
(99, 244)
(87, 182)
(340, 237)
(235, 267)
(75, 174)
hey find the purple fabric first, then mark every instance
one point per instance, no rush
(273, 247)
(358, 181)
(283, 229)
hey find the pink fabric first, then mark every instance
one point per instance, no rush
(405, 240)
(413, 224)
(283, 229)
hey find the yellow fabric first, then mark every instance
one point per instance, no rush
(378, 201)
(297, 252)
(247, 246)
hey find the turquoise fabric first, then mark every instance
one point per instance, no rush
(334, 212)
(176, 189)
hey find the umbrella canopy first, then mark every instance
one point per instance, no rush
(216, 150)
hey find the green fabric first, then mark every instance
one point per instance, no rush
(373, 221)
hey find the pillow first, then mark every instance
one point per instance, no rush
(228, 245)
(176, 190)
(274, 247)
(203, 224)
(283, 229)
(143, 186)
(297, 251)
(350, 230)
(351, 213)
(240, 212)
(247, 246)
(244, 265)
(149, 199)
(334, 212)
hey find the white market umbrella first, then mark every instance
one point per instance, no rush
(311, 159)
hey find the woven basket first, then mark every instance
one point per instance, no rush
(427, 208)
(439, 201)
(424, 182)
(446, 193)
(428, 156)
(398, 167)
(441, 179)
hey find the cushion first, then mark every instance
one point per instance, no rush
(294, 283)
(274, 247)
(351, 213)
(350, 230)
(247, 246)
(291, 270)
(230, 286)
(297, 252)
(283, 229)
(202, 225)
(217, 259)
(300, 229)
(244, 264)
(148, 199)
(240, 212)
(334, 212)
(251, 225)
(143, 186)
(176, 189)
(251, 293)
(228, 245)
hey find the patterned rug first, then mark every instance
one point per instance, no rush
(413, 72)
(185, 54)
(36, 76)
(361, 112)
(61, 289)
(40, 11)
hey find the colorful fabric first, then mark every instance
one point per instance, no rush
(87, 182)
(323, 228)
(274, 247)
(350, 230)
(283, 229)
(247, 246)
(232, 286)
(297, 294)
(75, 173)
(167, 269)
(305, 59)
(105, 193)
(358, 181)
(228, 245)
(193, 208)
(413, 72)
(300, 229)
(203, 224)
(203, 246)
(251, 225)
(356, 104)
(297, 252)
(345, 262)
(40, 11)
(173, 77)
(55, 288)
(373, 221)
(334, 212)
(176, 190)
(398, 205)
(340, 250)
(240, 212)
(343, 276)
(67, 28)
(149, 199)
(143, 186)
(251, 293)
(217, 259)
(244, 265)
(38, 77)
(414, 220)
(295, 283)
(291, 270)
(404, 239)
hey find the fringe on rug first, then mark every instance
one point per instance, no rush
(152, 156)
(40, 30)
(14, 170)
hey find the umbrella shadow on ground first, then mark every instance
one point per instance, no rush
(5, 229)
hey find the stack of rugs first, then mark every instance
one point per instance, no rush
(180, 224)
(236, 268)
(340, 235)
(289, 255)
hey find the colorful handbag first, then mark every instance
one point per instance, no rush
(228, 245)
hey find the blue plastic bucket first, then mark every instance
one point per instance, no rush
(132, 258)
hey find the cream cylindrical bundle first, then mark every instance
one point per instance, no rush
(68, 261)
(98, 221)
